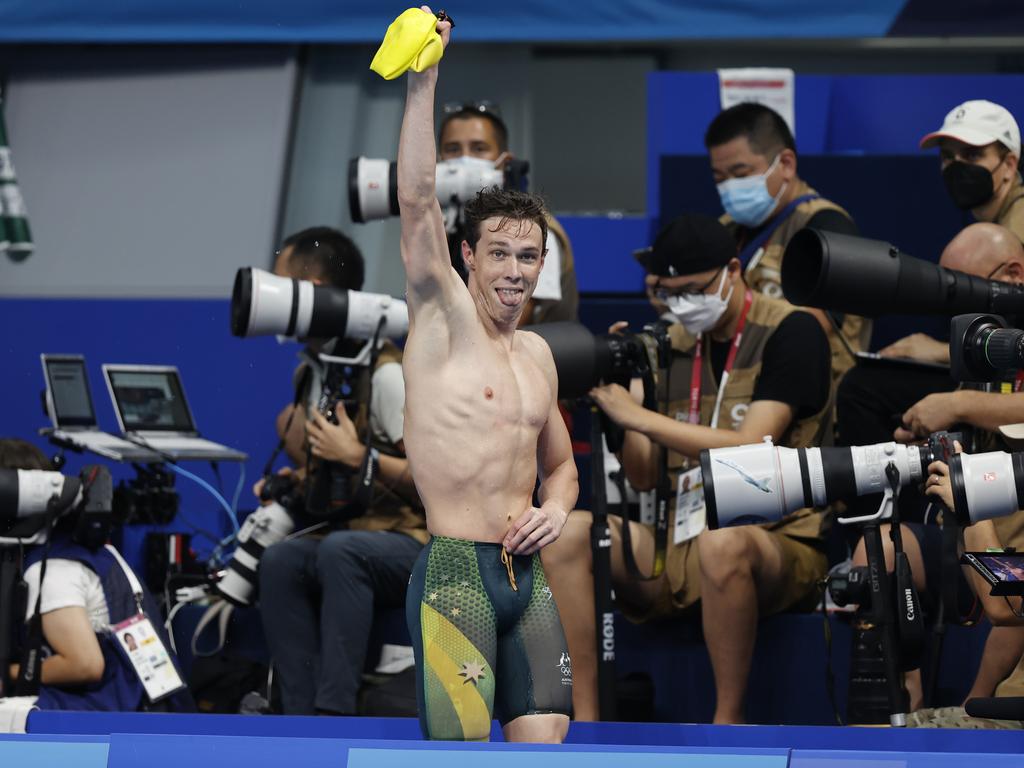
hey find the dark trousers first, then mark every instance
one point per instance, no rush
(317, 599)
(870, 402)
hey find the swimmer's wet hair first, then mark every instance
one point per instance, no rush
(506, 205)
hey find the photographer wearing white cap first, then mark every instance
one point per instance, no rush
(979, 145)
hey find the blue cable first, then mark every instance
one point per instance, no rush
(211, 489)
(238, 493)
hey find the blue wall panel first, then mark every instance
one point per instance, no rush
(235, 386)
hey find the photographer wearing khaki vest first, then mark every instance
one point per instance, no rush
(318, 592)
(744, 366)
(754, 163)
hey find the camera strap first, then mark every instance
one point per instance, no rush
(698, 367)
(949, 577)
(31, 667)
(909, 616)
(300, 388)
(662, 493)
(749, 255)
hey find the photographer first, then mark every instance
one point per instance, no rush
(979, 147)
(872, 404)
(992, 252)
(86, 589)
(754, 163)
(1002, 672)
(473, 132)
(318, 592)
(772, 363)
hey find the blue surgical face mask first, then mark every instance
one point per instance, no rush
(747, 199)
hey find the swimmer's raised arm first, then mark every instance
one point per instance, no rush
(428, 270)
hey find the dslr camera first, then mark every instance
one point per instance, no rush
(584, 360)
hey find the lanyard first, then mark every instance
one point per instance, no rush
(133, 580)
(754, 245)
(698, 365)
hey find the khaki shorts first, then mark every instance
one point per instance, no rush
(803, 567)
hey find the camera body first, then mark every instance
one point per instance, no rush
(852, 587)
(281, 489)
(149, 498)
(584, 361)
(32, 500)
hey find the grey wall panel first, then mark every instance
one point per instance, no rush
(147, 172)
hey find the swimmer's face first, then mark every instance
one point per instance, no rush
(504, 266)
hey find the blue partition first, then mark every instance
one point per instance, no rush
(235, 386)
(29, 751)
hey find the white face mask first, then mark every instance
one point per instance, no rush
(701, 312)
(468, 162)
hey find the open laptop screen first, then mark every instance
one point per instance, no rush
(68, 385)
(150, 399)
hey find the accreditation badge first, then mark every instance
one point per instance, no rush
(691, 516)
(145, 651)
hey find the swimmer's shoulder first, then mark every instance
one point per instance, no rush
(538, 349)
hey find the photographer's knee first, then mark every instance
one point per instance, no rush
(724, 553)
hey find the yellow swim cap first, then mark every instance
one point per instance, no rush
(412, 42)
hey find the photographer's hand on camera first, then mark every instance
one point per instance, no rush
(918, 346)
(620, 406)
(335, 442)
(297, 476)
(939, 411)
(933, 413)
(938, 484)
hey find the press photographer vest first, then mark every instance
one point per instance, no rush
(765, 275)
(388, 510)
(119, 690)
(1011, 214)
(764, 317)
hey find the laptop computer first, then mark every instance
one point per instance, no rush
(899, 363)
(151, 407)
(69, 406)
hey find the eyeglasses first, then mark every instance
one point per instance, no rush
(990, 274)
(663, 293)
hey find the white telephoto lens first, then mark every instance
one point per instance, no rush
(35, 489)
(365, 311)
(989, 485)
(270, 305)
(373, 188)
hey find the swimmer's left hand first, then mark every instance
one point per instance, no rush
(535, 528)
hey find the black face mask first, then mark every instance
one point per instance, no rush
(968, 185)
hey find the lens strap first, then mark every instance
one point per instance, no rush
(730, 360)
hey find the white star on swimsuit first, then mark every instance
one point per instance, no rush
(473, 672)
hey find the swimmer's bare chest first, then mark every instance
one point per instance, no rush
(472, 425)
